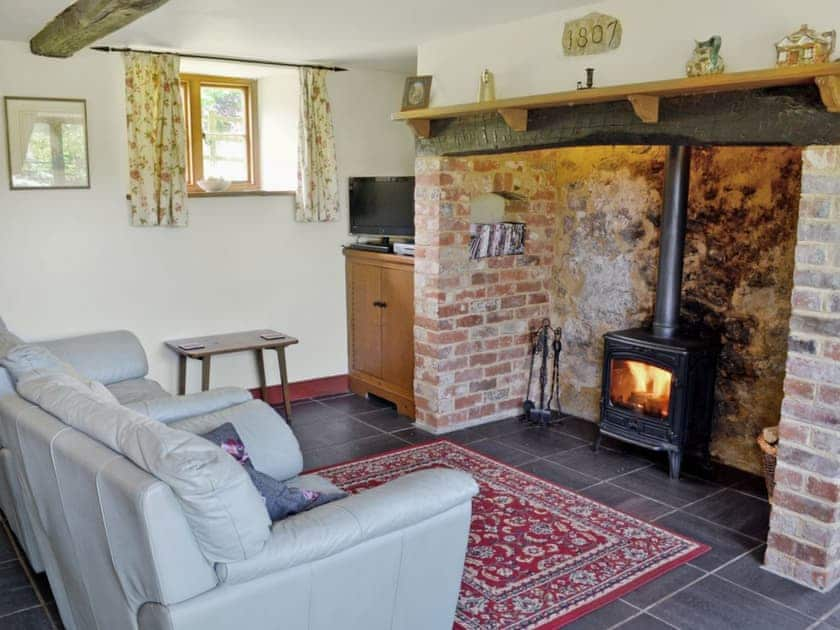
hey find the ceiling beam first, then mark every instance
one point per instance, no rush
(86, 21)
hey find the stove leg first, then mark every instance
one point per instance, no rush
(675, 463)
(597, 443)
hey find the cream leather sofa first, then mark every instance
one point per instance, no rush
(120, 552)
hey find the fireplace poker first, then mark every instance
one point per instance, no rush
(557, 347)
(541, 414)
(529, 405)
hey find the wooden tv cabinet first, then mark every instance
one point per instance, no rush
(380, 326)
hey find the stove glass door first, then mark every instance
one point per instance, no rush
(640, 387)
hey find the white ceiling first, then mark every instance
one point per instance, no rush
(381, 34)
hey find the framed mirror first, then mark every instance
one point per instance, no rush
(47, 143)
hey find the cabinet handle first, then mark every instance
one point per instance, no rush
(380, 304)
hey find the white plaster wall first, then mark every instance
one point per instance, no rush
(527, 56)
(70, 263)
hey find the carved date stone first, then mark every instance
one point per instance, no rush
(591, 35)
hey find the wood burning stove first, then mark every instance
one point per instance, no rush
(658, 383)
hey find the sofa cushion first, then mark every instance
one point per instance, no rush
(225, 512)
(171, 408)
(108, 357)
(137, 390)
(330, 529)
(28, 361)
(281, 499)
(271, 444)
(8, 340)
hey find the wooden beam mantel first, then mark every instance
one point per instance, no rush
(87, 21)
(644, 97)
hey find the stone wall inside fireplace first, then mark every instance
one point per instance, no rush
(590, 265)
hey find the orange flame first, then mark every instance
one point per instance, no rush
(641, 387)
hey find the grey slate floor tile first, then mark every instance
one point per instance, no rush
(604, 617)
(311, 410)
(332, 432)
(354, 404)
(605, 464)
(726, 545)
(654, 483)
(735, 510)
(416, 436)
(31, 619)
(664, 586)
(385, 420)
(566, 477)
(502, 452)
(713, 604)
(542, 442)
(484, 431)
(577, 427)
(626, 501)
(13, 600)
(644, 622)
(748, 572)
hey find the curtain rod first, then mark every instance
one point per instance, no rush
(262, 62)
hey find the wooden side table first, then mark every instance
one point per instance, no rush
(248, 341)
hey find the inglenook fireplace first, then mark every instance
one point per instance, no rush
(658, 383)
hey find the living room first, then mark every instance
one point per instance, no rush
(443, 316)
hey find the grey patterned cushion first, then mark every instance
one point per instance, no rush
(281, 500)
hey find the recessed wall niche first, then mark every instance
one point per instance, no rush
(495, 229)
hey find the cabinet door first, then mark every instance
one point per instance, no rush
(364, 285)
(398, 327)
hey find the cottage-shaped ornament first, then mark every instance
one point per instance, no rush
(805, 46)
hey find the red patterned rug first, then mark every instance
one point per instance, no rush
(539, 556)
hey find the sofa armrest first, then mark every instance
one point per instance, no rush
(108, 357)
(172, 408)
(329, 529)
(273, 448)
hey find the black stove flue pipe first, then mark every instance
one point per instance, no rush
(666, 317)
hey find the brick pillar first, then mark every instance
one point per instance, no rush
(472, 317)
(804, 540)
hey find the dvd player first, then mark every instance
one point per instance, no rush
(371, 247)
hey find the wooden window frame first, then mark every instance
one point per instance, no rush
(195, 150)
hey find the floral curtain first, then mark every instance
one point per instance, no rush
(317, 192)
(156, 140)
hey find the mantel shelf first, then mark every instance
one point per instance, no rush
(644, 97)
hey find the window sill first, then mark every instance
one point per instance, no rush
(244, 193)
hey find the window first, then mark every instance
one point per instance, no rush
(221, 130)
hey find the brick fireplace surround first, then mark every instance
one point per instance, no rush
(472, 322)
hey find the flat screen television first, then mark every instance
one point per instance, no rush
(382, 206)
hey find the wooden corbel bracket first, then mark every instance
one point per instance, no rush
(422, 127)
(646, 107)
(830, 92)
(515, 118)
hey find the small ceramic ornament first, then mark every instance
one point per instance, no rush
(487, 87)
(805, 46)
(706, 58)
